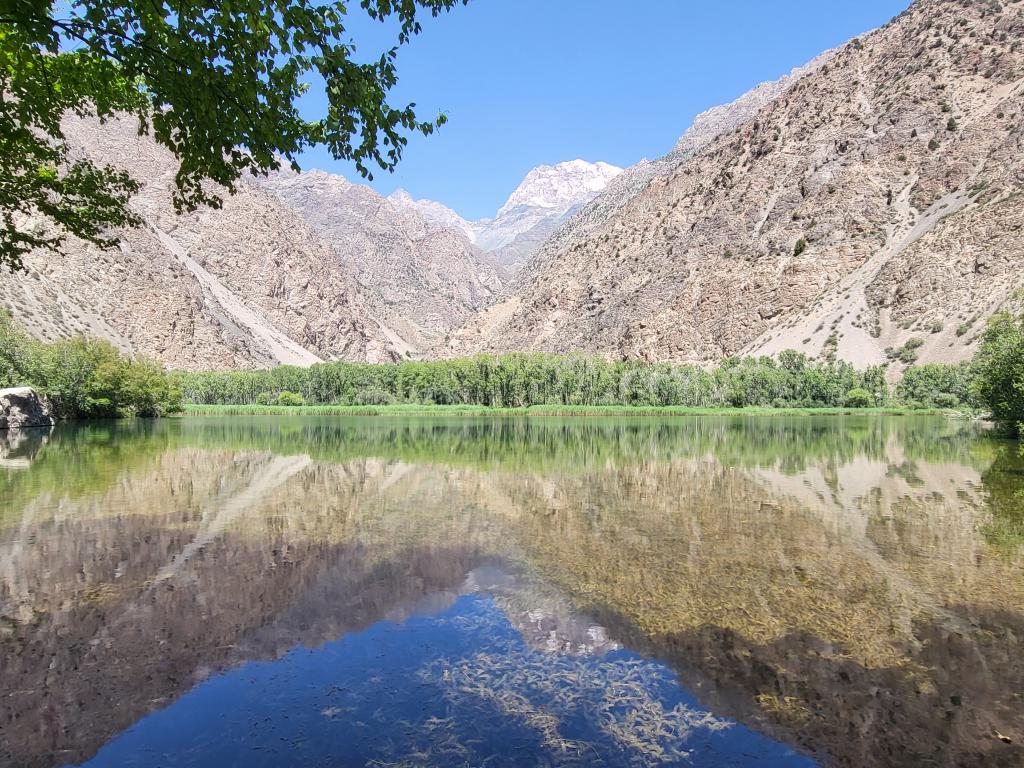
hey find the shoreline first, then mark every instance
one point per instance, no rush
(412, 409)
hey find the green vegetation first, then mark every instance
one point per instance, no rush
(85, 377)
(416, 409)
(522, 380)
(285, 398)
(937, 386)
(907, 353)
(999, 383)
(859, 398)
(800, 247)
(217, 84)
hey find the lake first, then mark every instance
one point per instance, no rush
(730, 590)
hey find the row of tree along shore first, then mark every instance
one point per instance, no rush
(520, 380)
(87, 377)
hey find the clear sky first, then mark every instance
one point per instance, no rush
(530, 82)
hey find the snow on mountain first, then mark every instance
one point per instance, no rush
(543, 201)
(546, 197)
(561, 186)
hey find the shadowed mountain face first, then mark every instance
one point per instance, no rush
(852, 588)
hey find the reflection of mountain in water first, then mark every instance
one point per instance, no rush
(839, 595)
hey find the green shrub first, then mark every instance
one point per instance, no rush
(147, 390)
(289, 398)
(800, 247)
(264, 398)
(859, 398)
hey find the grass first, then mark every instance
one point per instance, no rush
(413, 409)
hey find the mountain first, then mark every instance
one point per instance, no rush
(435, 213)
(425, 275)
(870, 208)
(295, 268)
(250, 284)
(547, 197)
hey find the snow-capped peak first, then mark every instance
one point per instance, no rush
(560, 187)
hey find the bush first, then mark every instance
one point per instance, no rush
(859, 398)
(800, 247)
(999, 384)
(146, 390)
(375, 396)
(264, 398)
(290, 398)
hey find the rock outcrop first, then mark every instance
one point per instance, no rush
(23, 407)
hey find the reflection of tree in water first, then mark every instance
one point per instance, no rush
(1004, 482)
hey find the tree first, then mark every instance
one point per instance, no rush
(999, 367)
(215, 83)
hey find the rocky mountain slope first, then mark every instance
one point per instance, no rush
(873, 202)
(423, 272)
(295, 268)
(247, 285)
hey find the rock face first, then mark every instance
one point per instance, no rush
(23, 407)
(874, 199)
(867, 200)
(293, 269)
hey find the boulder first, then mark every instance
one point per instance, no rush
(22, 407)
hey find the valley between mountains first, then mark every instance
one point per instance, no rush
(866, 201)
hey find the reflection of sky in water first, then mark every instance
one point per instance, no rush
(458, 688)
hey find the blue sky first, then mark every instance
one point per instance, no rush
(526, 82)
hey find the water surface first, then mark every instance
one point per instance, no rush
(707, 590)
